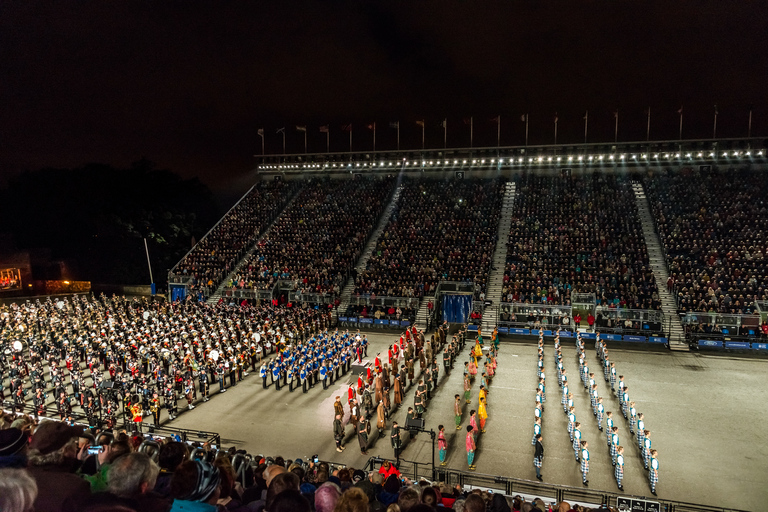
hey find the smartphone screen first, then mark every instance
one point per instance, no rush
(94, 450)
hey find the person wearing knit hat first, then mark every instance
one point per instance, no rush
(13, 444)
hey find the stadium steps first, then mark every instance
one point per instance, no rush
(499, 261)
(659, 268)
(422, 315)
(214, 298)
(346, 292)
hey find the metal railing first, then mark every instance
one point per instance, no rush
(549, 492)
(721, 324)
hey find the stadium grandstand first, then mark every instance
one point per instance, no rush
(344, 288)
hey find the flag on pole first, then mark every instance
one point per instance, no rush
(680, 110)
(324, 129)
(524, 117)
(467, 120)
(716, 112)
(301, 128)
(346, 127)
(615, 114)
(420, 123)
(394, 124)
(280, 130)
(260, 132)
(555, 116)
(586, 115)
(372, 126)
(496, 119)
(444, 123)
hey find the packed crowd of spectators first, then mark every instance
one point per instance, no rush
(714, 228)
(381, 312)
(577, 234)
(216, 254)
(319, 238)
(56, 467)
(441, 230)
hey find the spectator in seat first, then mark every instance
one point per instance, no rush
(195, 487)
(131, 479)
(18, 490)
(53, 463)
(171, 455)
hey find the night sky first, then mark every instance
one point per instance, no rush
(188, 84)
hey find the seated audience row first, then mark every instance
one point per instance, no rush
(48, 467)
(577, 235)
(441, 230)
(714, 228)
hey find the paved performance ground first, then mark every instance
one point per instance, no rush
(706, 415)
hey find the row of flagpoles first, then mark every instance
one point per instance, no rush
(470, 122)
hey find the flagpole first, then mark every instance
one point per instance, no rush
(283, 140)
(398, 135)
(305, 140)
(498, 131)
(714, 127)
(555, 127)
(422, 134)
(374, 136)
(261, 134)
(648, 126)
(328, 140)
(350, 138)
(445, 133)
(526, 129)
(616, 127)
(586, 122)
(471, 130)
(681, 123)
(749, 126)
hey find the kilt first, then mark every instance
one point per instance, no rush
(653, 477)
(537, 462)
(640, 439)
(584, 466)
(613, 452)
(619, 473)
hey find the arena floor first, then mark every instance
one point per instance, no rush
(706, 415)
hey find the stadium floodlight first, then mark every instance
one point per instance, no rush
(540, 159)
(520, 160)
(656, 155)
(430, 163)
(446, 162)
(530, 159)
(610, 157)
(687, 155)
(677, 155)
(549, 159)
(735, 153)
(455, 162)
(699, 155)
(493, 160)
(760, 153)
(482, 161)
(601, 157)
(474, 162)
(570, 159)
(622, 157)
(558, 159)
(464, 161)
(725, 154)
(501, 160)
(581, 158)
(590, 157)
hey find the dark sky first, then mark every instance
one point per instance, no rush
(187, 84)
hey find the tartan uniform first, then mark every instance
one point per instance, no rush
(613, 379)
(600, 410)
(536, 431)
(614, 446)
(608, 427)
(543, 389)
(585, 376)
(584, 464)
(537, 462)
(625, 405)
(571, 420)
(646, 452)
(607, 370)
(640, 434)
(576, 443)
(632, 418)
(653, 474)
(593, 401)
(564, 400)
(619, 471)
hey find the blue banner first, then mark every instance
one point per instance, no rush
(611, 337)
(588, 335)
(343, 319)
(366, 320)
(517, 330)
(656, 339)
(394, 323)
(711, 343)
(737, 344)
(632, 337)
(405, 323)
(472, 327)
(503, 330)
(456, 308)
(760, 346)
(548, 333)
(566, 334)
(178, 292)
(381, 322)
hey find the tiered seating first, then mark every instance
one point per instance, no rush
(216, 254)
(441, 230)
(319, 238)
(577, 234)
(714, 228)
